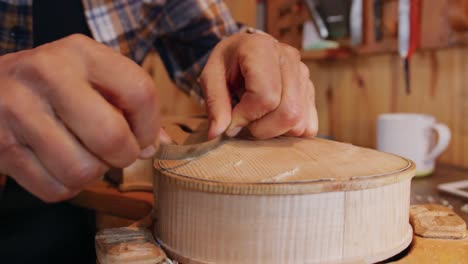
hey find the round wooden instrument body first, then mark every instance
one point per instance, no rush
(284, 200)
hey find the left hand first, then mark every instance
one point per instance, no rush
(276, 96)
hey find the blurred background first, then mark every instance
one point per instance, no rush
(354, 52)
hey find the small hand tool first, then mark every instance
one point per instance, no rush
(378, 20)
(355, 21)
(178, 152)
(408, 34)
(322, 28)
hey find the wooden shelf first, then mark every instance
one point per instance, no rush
(385, 46)
(327, 54)
(444, 24)
(457, 40)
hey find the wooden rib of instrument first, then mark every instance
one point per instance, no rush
(284, 200)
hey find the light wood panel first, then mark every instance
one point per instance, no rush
(283, 200)
(340, 227)
(243, 10)
(426, 250)
(351, 94)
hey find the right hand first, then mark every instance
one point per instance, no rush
(68, 111)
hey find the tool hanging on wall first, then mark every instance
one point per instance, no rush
(355, 21)
(409, 25)
(336, 15)
(317, 18)
(377, 5)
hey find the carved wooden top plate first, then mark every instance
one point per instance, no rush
(285, 165)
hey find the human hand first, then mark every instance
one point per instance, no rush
(68, 111)
(273, 85)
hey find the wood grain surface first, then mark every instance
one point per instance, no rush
(436, 221)
(339, 227)
(128, 245)
(286, 166)
(439, 236)
(351, 93)
(284, 200)
(423, 250)
(443, 251)
(283, 165)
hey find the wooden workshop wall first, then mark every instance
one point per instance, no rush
(367, 80)
(351, 93)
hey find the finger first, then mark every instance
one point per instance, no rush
(290, 112)
(312, 125)
(97, 124)
(121, 81)
(261, 71)
(129, 88)
(216, 94)
(100, 126)
(309, 126)
(164, 138)
(21, 164)
(307, 101)
(55, 147)
(300, 128)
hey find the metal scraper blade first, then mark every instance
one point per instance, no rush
(180, 152)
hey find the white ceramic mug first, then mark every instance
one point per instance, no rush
(413, 136)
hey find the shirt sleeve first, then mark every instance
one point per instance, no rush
(187, 32)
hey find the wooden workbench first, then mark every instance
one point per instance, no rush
(424, 190)
(105, 199)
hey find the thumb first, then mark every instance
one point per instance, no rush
(164, 138)
(239, 118)
(217, 98)
(149, 151)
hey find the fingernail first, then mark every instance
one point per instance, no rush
(148, 152)
(164, 138)
(215, 130)
(232, 132)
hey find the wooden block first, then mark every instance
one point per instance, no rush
(436, 221)
(129, 245)
(105, 221)
(105, 198)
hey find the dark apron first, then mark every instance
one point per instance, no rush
(32, 231)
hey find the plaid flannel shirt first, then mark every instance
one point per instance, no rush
(183, 31)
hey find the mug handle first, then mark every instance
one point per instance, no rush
(442, 143)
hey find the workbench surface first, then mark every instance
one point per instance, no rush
(424, 189)
(102, 197)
